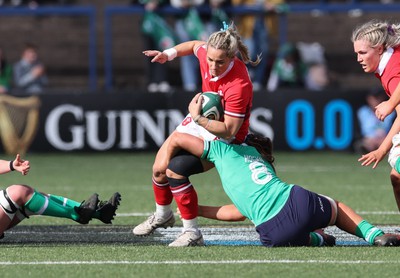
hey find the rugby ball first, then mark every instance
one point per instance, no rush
(212, 106)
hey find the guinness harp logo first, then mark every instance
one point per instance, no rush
(19, 119)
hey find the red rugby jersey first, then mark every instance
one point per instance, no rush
(234, 86)
(390, 77)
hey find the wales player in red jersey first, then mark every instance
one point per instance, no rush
(224, 73)
(377, 45)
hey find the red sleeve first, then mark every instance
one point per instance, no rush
(238, 98)
(393, 82)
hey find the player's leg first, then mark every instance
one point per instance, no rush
(349, 221)
(394, 161)
(395, 180)
(10, 204)
(64, 200)
(37, 203)
(105, 210)
(179, 169)
(163, 216)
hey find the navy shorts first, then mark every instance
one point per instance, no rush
(304, 212)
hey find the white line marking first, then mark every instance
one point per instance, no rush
(129, 214)
(6, 263)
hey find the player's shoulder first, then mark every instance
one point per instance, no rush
(201, 50)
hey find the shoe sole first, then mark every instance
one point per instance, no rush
(152, 232)
(114, 202)
(154, 229)
(86, 213)
(195, 243)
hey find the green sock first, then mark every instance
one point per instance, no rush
(65, 201)
(316, 239)
(397, 165)
(368, 232)
(70, 203)
(43, 205)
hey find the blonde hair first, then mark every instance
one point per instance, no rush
(230, 41)
(378, 33)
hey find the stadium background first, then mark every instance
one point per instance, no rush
(76, 63)
(92, 51)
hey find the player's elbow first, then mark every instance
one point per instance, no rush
(228, 136)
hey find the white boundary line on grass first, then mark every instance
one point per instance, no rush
(196, 262)
(359, 212)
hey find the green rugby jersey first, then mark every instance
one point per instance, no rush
(248, 180)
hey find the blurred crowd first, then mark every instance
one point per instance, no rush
(288, 65)
(292, 65)
(32, 3)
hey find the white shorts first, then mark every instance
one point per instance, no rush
(394, 151)
(190, 127)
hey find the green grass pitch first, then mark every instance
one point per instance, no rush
(98, 250)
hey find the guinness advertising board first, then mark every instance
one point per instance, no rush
(98, 122)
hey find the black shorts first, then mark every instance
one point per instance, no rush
(304, 212)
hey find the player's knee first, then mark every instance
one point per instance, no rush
(185, 165)
(20, 193)
(172, 175)
(176, 182)
(9, 206)
(158, 172)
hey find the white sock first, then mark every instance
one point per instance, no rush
(163, 211)
(190, 225)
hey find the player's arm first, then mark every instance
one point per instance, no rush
(182, 49)
(225, 130)
(18, 164)
(187, 48)
(190, 143)
(384, 109)
(377, 155)
(222, 213)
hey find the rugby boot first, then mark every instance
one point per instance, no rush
(152, 223)
(87, 209)
(387, 240)
(107, 209)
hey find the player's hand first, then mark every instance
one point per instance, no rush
(195, 105)
(159, 56)
(372, 157)
(383, 109)
(178, 212)
(20, 165)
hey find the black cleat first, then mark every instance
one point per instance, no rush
(387, 240)
(87, 209)
(106, 209)
(329, 240)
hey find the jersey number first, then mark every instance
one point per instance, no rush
(259, 173)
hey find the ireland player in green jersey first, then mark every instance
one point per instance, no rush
(284, 214)
(21, 201)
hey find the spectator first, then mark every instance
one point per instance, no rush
(288, 70)
(29, 73)
(255, 31)
(373, 131)
(313, 55)
(5, 74)
(156, 35)
(190, 26)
